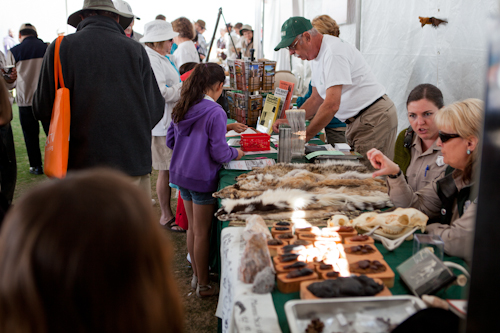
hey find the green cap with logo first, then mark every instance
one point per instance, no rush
(292, 27)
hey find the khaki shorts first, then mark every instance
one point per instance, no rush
(376, 128)
(335, 135)
(144, 182)
(162, 155)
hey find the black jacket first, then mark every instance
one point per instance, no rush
(115, 100)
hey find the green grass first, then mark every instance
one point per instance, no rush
(25, 180)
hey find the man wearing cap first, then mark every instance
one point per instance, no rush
(247, 41)
(115, 100)
(124, 7)
(199, 26)
(28, 57)
(344, 87)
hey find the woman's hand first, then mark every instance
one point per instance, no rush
(382, 162)
(241, 153)
(237, 127)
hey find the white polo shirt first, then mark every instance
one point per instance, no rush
(340, 63)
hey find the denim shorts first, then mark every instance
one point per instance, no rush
(199, 198)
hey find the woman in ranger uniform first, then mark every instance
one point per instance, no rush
(450, 197)
(416, 151)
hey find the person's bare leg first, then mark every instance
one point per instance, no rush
(188, 206)
(202, 216)
(164, 193)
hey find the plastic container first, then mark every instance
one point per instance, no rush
(435, 242)
(255, 142)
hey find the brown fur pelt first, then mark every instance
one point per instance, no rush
(294, 200)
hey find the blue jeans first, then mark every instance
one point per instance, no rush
(199, 198)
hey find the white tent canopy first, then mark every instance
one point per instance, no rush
(400, 52)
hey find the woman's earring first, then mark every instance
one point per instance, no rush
(468, 151)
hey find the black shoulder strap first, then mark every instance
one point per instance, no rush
(447, 192)
(408, 137)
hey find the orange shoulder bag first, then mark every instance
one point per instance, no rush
(57, 143)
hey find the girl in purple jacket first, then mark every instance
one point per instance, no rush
(197, 136)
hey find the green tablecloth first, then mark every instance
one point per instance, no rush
(394, 258)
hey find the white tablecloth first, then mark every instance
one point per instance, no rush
(239, 308)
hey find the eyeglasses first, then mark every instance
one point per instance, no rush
(292, 47)
(445, 136)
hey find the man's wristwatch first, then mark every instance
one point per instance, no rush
(396, 175)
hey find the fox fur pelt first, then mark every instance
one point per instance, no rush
(291, 200)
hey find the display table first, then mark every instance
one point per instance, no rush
(241, 310)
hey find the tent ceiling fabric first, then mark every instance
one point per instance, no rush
(400, 52)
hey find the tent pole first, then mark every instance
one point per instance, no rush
(358, 25)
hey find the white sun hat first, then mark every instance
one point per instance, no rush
(158, 31)
(124, 7)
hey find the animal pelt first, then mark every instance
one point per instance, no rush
(432, 21)
(300, 179)
(281, 169)
(280, 200)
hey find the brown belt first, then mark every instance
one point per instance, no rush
(352, 119)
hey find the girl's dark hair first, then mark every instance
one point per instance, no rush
(429, 92)
(86, 254)
(184, 27)
(203, 77)
(187, 67)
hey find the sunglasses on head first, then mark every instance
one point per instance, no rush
(445, 136)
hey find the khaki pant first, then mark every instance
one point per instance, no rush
(144, 182)
(335, 135)
(375, 128)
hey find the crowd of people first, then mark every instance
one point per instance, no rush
(143, 102)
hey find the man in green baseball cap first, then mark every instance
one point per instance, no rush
(343, 87)
(292, 28)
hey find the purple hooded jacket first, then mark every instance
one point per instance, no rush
(200, 148)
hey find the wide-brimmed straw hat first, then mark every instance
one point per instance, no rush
(245, 27)
(158, 31)
(125, 19)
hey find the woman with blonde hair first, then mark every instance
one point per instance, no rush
(450, 197)
(85, 254)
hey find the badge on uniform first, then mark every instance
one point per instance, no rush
(440, 161)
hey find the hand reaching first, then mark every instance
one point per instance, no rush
(237, 127)
(277, 124)
(382, 162)
(241, 153)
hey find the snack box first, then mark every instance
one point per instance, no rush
(344, 234)
(291, 285)
(350, 241)
(324, 275)
(306, 294)
(321, 270)
(273, 249)
(314, 237)
(387, 277)
(287, 237)
(286, 230)
(308, 230)
(283, 224)
(280, 268)
(277, 260)
(355, 257)
(298, 249)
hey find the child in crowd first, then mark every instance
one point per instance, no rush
(86, 254)
(197, 137)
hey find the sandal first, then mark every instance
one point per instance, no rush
(194, 282)
(170, 225)
(214, 290)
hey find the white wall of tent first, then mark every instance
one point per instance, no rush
(401, 53)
